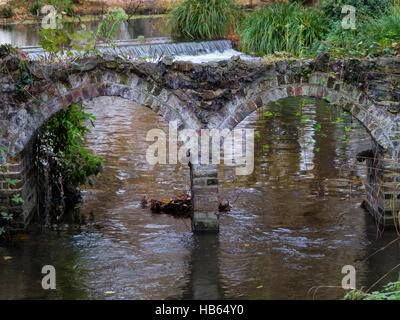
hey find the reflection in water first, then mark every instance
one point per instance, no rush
(204, 268)
(295, 221)
(27, 34)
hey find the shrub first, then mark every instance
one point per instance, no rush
(386, 26)
(61, 5)
(286, 27)
(6, 50)
(6, 12)
(202, 19)
(63, 161)
(390, 291)
(35, 8)
(372, 8)
(372, 37)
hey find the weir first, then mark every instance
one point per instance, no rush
(199, 96)
(152, 48)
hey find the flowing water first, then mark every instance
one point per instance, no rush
(294, 223)
(154, 45)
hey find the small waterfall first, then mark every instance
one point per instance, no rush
(152, 49)
(124, 31)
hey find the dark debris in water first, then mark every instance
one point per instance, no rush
(179, 206)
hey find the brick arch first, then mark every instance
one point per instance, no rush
(382, 171)
(27, 129)
(352, 100)
(213, 95)
(21, 128)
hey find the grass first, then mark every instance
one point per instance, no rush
(390, 291)
(202, 19)
(372, 38)
(282, 27)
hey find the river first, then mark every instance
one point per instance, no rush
(27, 34)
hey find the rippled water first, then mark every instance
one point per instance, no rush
(295, 221)
(27, 34)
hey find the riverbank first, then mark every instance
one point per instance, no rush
(25, 12)
(22, 12)
(86, 18)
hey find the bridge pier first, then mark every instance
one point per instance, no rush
(382, 186)
(204, 189)
(18, 180)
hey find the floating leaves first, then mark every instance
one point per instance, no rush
(109, 292)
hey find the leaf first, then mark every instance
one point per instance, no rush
(259, 287)
(13, 182)
(17, 198)
(7, 258)
(109, 292)
(304, 119)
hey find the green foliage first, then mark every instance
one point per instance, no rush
(284, 27)
(373, 37)
(390, 291)
(63, 160)
(364, 8)
(66, 6)
(202, 19)
(6, 12)
(23, 81)
(35, 8)
(62, 141)
(60, 41)
(6, 50)
(110, 22)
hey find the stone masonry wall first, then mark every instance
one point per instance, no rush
(210, 95)
(204, 188)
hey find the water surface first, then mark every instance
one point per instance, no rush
(28, 34)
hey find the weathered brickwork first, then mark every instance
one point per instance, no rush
(210, 95)
(204, 188)
(20, 168)
(382, 185)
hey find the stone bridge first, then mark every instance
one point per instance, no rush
(198, 96)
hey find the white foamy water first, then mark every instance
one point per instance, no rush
(214, 56)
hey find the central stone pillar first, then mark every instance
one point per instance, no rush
(20, 197)
(204, 188)
(383, 188)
